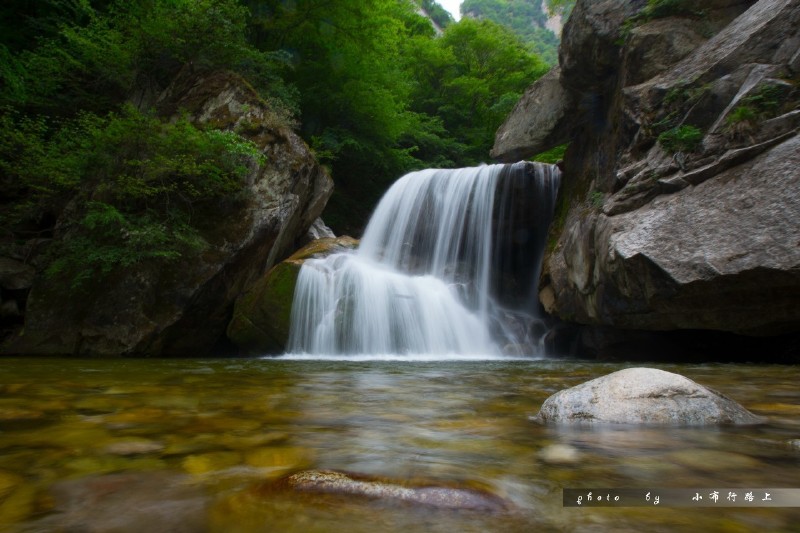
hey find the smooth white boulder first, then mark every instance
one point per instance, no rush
(643, 396)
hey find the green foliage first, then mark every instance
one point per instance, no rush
(670, 8)
(375, 91)
(560, 7)
(471, 78)
(768, 99)
(596, 199)
(766, 102)
(137, 187)
(12, 83)
(525, 18)
(684, 138)
(677, 102)
(380, 94)
(553, 155)
(106, 239)
(656, 9)
(742, 113)
(83, 67)
(353, 92)
(24, 23)
(39, 169)
(96, 59)
(677, 95)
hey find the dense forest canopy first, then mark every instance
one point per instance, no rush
(368, 83)
(526, 18)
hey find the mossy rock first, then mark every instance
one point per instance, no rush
(262, 316)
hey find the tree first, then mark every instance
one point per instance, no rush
(526, 18)
(354, 92)
(471, 78)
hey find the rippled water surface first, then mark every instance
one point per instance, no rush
(189, 445)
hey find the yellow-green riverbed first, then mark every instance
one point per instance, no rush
(188, 445)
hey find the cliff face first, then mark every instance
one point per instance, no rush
(183, 308)
(681, 190)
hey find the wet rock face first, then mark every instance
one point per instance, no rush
(182, 309)
(440, 497)
(539, 119)
(696, 235)
(589, 51)
(642, 396)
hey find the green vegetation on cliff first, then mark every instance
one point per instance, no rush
(526, 18)
(85, 159)
(439, 15)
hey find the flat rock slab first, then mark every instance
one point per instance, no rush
(440, 497)
(643, 396)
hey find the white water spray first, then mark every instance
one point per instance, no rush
(426, 277)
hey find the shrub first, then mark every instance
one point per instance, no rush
(596, 199)
(138, 188)
(670, 8)
(553, 155)
(656, 9)
(740, 114)
(765, 102)
(684, 138)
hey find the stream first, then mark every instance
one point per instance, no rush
(189, 445)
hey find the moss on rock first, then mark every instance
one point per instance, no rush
(262, 316)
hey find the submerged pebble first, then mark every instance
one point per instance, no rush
(284, 457)
(133, 447)
(209, 462)
(560, 454)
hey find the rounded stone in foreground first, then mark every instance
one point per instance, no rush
(388, 491)
(643, 396)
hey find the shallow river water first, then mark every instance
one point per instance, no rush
(190, 445)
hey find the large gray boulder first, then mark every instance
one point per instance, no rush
(182, 308)
(643, 396)
(721, 255)
(538, 121)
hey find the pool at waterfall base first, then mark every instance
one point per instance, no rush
(196, 445)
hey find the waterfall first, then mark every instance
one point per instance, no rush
(449, 265)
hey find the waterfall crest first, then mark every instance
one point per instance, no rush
(446, 258)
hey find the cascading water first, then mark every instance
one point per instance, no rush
(448, 264)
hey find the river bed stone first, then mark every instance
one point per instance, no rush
(133, 447)
(443, 497)
(560, 454)
(643, 396)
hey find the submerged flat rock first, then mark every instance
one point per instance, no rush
(442, 497)
(643, 396)
(133, 501)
